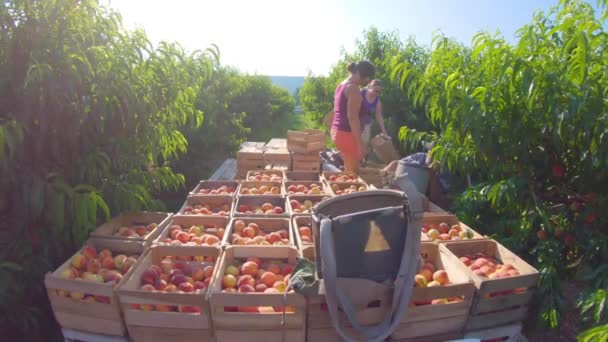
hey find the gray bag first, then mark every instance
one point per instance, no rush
(368, 248)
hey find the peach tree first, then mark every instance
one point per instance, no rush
(90, 115)
(529, 122)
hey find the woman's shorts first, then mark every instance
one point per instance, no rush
(345, 143)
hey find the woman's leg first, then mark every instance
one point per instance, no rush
(346, 144)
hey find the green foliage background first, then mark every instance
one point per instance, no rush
(95, 120)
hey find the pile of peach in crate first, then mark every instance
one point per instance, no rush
(219, 269)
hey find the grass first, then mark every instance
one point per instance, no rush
(279, 129)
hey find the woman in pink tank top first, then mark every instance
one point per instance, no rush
(346, 124)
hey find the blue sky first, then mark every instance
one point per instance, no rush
(292, 37)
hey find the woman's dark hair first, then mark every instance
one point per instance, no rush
(365, 69)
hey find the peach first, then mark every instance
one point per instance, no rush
(68, 273)
(465, 260)
(79, 261)
(186, 287)
(108, 263)
(148, 288)
(420, 281)
(89, 252)
(433, 283)
(127, 264)
(163, 308)
(208, 271)
(212, 240)
(261, 287)
(256, 260)
(286, 269)
(76, 295)
(441, 276)
(248, 232)
(246, 288)
(283, 233)
(278, 210)
(274, 268)
(198, 274)
(93, 266)
(149, 277)
(245, 280)
(266, 206)
(188, 309)
(433, 234)
(161, 284)
(453, 233)
(170, 288)
(305, 231)
(182, 237)
(439, 301)
(229, 281)
(268, 279)
(428, 275)
(429, 266)
(96, 278)
(233, 270)
(444, 237)
(141, 230)
(443, 228)
(178, 279)
(250, 268)
(280, 286)
(119, 261)
(273, 237)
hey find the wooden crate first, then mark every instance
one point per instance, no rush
(276, 151)
(276, 201)
(322, 185)
(306, 176)
(97, 316)
(257, 184)
(307, 249)
(491, 308)
(305, 141)
(433, 338)
(109, 229)
(341, 186)
(371, 300)
(157, 325)
(306, 162)
(214, 185)
(267, 225)
(214, 225)
(224, 203)
(278, 166)
(251, 175)
(326, 176)
(301, 199)
(250, 326)
(507, 333)
(250, 157)
(439, 319)
(433, 220)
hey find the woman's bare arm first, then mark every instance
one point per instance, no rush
(379, 118)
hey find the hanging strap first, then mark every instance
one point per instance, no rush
(402, 293)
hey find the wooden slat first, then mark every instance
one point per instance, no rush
(152, 334)
(89, 324)
(441, 326)
(497, 319)
(232, 335)
(502, 302)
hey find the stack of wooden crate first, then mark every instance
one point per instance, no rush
(305, 147)
(249, 157)
(276, 155)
